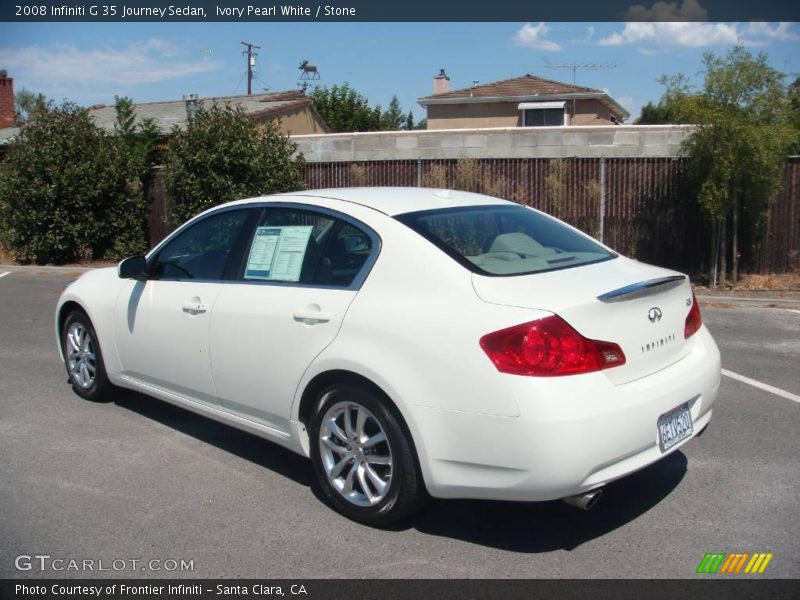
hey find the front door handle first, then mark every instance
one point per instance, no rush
(194, 306)
(311, 314)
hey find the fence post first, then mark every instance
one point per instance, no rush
(419, 173)
(602, 200)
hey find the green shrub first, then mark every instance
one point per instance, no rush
(68, 190)
(223, 155)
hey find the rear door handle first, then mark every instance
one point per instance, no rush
(311, 315)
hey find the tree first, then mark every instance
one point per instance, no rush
(737, 150)
(223, 155)
(423, 124)
(136, 153)
(344, 109)
(393, 117)
(409, 124)
(27, 103)
(64, 185)
(794, 115)
(655, 114)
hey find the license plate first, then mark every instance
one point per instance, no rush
(674, 426)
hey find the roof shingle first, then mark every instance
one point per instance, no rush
(173, 112)
(527, 85)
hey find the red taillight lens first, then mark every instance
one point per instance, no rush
(548, 347)
(693, 319)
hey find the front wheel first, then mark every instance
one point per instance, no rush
(84, 359)
(363, 458)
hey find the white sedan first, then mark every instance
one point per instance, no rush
(411, 342)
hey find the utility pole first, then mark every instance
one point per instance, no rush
(251, 61)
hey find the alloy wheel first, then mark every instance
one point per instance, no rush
(356, 454)
(81, 355)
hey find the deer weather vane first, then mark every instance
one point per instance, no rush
(309, 71)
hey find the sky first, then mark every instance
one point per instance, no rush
(90, 63)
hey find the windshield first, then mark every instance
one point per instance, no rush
(505, 240)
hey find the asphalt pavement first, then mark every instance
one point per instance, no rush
(140, 480)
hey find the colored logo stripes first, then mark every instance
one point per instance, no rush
(734, 562)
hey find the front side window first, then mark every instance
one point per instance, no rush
(301, 246)
(201, 252)
(505, 240)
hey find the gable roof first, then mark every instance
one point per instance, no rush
(173, 112)
(521, 89)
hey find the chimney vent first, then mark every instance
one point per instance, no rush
(441, 83)
(8, 112)
(191, 106)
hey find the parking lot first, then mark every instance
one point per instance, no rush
(141, 480)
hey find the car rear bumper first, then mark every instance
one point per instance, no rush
(573, 434)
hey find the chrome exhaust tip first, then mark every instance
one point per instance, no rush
(584, 501)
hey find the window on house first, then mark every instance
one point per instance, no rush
(542, 114)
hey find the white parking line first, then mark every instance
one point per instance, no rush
(4, 274)
(762, 386)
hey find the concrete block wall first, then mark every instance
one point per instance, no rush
(622, 141)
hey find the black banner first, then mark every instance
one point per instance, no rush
(399, 10)
(349, 589)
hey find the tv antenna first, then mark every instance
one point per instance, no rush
(251, 62)
(575, 67)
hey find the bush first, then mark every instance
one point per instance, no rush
(68, 190)
(223, 155)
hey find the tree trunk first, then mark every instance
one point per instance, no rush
(713, 255)
(735, 244)
(723, 251)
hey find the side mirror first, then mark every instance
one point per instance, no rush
(133, 267)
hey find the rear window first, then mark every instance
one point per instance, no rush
(505, 240)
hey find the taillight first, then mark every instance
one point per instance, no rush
(548, 347)
(693, 319)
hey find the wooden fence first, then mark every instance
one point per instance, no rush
(642, 207)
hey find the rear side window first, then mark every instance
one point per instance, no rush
(505, 240)
(300, 246)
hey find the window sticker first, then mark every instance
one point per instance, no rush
(277, 253)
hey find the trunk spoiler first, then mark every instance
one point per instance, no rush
(641, 289)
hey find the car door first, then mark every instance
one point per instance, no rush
(298, 276)
(161, 324)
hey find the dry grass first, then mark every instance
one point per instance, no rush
(786, 281)
(6, 256)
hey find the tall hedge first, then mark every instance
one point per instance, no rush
(223, 155)
(69, 191)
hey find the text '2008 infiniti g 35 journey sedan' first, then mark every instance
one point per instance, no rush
(409, 341)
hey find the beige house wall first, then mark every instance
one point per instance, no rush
(300, 121)
(507, 114)
(589, 112)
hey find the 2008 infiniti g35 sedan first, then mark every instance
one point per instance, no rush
(411, 342)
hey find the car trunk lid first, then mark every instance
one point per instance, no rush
(640, 307)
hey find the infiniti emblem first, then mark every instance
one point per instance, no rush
(654, 314)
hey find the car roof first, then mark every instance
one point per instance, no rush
(392, 200)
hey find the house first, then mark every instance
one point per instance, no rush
(293, 110)
(526, 101)
(8, 112)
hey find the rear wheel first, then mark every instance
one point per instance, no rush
(84, 359)
(363, 457)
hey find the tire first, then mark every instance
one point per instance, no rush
(372, 482)
(83, 358)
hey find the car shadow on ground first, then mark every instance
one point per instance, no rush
(515, 526)
(547, 526)
(239, 443)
